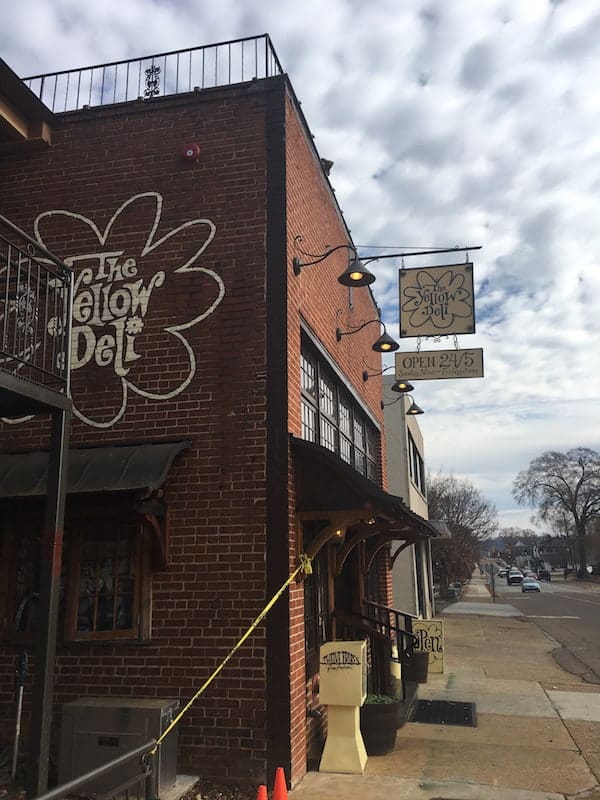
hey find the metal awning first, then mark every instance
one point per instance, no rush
(129, 468)
(325, 483)
(328, 489)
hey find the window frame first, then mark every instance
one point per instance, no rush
(140, 577)
(416, 466)
(351, 436)
(19, 521)
(11, 533)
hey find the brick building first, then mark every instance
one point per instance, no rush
(220, 423)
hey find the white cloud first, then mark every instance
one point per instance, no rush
(449, 124)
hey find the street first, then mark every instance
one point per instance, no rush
(569, 612)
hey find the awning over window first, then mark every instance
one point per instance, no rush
(130, 468)
(326, 483)
(329, 489)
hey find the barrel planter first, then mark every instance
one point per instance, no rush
(378, 724)
(415, 666)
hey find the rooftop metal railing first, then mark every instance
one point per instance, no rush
(35, 310)
(175, 72)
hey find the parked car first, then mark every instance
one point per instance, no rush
(514, 576)
(454, 591)
(530, 585)
(544, 575)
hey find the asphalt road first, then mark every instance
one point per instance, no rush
(570, 614)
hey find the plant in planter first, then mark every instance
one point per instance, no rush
(378, 723)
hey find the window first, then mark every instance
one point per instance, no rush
(27, 583)
(19, 578)
(331, 417)
(415, 465)
(106, 574)
(345, 431)
(104, 587)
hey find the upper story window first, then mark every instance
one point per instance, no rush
(333, 419)
(415, 465)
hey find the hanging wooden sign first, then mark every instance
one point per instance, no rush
(435, 364)
(436, 301)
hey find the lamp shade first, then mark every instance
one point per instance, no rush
(414, 409)
(402, 386)
(385, 344)
(356, 274)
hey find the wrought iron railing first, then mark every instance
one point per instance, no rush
(395, 624)
(389, 638)
(175, 72)
(35, 310)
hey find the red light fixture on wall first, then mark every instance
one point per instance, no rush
(191, 151)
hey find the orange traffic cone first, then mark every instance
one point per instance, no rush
(262, 792)
(280, 788)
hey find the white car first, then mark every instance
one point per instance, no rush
(530, 585)
(514, 576)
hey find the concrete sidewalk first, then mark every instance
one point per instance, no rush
(538, 727)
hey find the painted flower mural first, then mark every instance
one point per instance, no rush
(138, 294)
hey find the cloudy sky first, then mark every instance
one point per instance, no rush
(451, 123)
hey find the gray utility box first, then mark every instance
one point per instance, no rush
(95, 730)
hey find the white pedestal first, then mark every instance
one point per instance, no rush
(344, 749)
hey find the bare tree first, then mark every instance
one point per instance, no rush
(564, 485)
(470, 518)
(461, 505)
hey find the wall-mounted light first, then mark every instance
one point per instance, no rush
(402, 386)
(355, 274)
(339, 536)
(384, 344)
(366, 374)
(412, 410)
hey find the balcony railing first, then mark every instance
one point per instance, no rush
(175, 72)
(35, 311)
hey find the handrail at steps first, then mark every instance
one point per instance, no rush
(147, 769)
(382, 616)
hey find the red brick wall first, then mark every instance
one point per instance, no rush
(316, 297)
(214, 585)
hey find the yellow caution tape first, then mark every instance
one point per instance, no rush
(305, 567)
